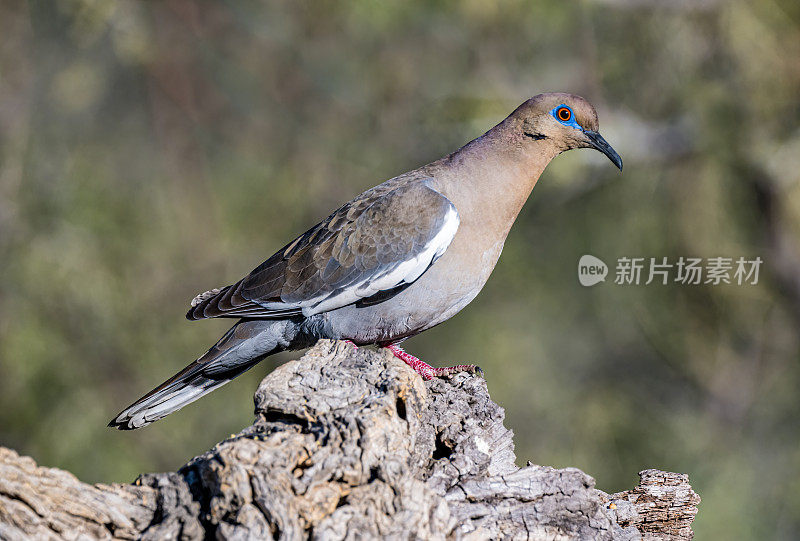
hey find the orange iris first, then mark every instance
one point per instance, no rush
(564, 114)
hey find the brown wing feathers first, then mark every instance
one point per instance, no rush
(363, 240)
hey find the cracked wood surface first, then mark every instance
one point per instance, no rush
(350, 444)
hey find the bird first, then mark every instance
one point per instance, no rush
(398, 259)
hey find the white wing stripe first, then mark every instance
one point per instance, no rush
(405, 272)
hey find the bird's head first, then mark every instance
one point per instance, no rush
(565, 121)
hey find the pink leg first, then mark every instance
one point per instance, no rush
(352, 343)
(427, 371)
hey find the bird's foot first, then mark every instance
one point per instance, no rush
(351, 343)
(429, 372)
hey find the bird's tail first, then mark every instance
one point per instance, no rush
(241, 348)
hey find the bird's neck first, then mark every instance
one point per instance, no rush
(490, 178)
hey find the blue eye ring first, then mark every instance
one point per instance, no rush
(563, 113)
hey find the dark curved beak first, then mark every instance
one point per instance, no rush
(597, 142)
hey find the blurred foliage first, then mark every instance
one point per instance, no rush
(153, 150)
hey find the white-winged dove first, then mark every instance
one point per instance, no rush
(398, 259)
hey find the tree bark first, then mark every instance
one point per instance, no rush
(350, 444)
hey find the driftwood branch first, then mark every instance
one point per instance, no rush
(350, 444)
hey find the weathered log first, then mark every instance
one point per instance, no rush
(350, 444)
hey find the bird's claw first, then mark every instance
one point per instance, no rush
(429, 372)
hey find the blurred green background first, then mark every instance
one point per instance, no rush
(153, 150)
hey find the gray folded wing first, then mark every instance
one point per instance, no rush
(377, 243)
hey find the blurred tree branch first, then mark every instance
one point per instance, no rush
(781, 246)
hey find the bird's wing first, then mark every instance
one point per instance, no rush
(376, 244)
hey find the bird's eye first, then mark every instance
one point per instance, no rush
(564, 114)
